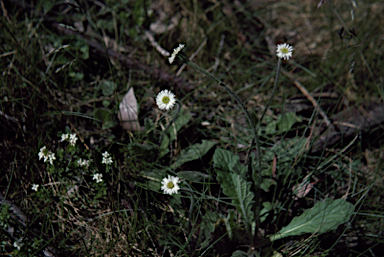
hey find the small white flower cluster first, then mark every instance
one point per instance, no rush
(72, 138)
(98, 177)
(48, 155)
(107, 159)
(284, 51)
(83, 163)
(18, 244)
(165, 100)
(35, 187)
(175, 52)
(170, 185)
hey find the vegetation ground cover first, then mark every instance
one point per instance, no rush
(79, 179)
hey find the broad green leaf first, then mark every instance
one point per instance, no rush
(227, 161)
(283, 123)
(231, 176)
(287, 120)
(239, 253)
(236, 187)
(207, 227)
(104, 115)
(323, 217)
(265, 211)
(194, 152)
(108, 87)
(194, 176)
(267, 182)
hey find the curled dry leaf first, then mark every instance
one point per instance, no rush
(128, 112)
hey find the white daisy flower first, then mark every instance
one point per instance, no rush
(165, 100)
(35, 187)
(18, 244)
(175, 52)
(107, 159)
(170, 185)
(284, 51)
(64, 137)
(98, 177)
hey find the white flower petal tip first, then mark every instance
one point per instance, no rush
(165, 100)
(284, 51)
(175, 52)
(170, 185)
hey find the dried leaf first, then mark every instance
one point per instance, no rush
(128, 112)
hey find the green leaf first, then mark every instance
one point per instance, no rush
(164, 149)
(194, 152)
(108, 87)
(287, 120)
(231, 176)
(182, 120)
(207, 227)
(323, 217)
(236, 187)
(239, 253)
(267, 182)
(227, 161)
(144, 151)
(101, 114)
(283, 123)
(194, 176)
(229, 224)
(153, 179)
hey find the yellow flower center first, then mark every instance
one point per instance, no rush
(284, 50)
(170, 185)
(166, 99)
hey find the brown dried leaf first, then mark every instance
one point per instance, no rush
(128, 111)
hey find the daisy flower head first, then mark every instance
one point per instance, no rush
(107, 159)
(98, 177)
(170, 185)
(165, 100)
(35, 187)
(176, 51)
(284, 51)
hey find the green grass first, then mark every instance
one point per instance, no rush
(77, 89)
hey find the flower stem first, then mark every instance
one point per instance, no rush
(195, 66)
(258, 177)
(172, 121)
(191, 206)
(255, 138)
